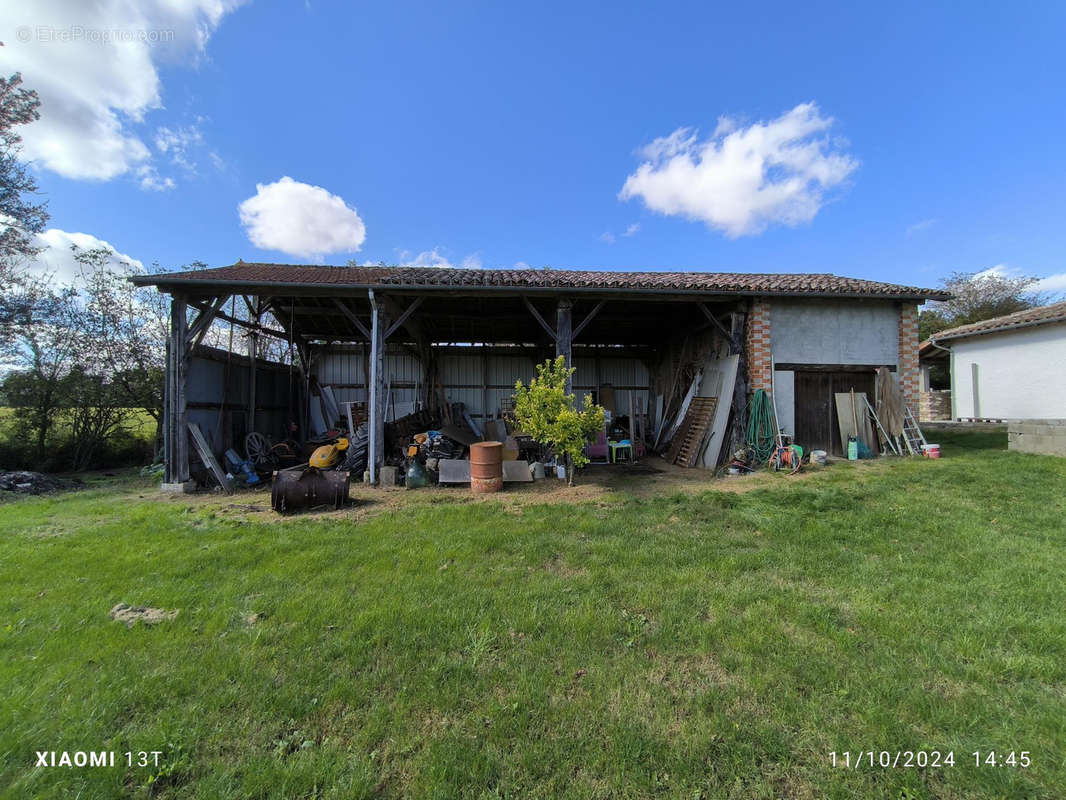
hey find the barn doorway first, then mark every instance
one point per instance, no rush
(816, 413)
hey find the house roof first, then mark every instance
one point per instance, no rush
(1031, 317)
(246, 274)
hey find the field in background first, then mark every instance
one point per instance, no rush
(647, 636)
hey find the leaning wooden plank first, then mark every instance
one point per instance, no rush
(720, 423)
(684, 408)
(208, 457)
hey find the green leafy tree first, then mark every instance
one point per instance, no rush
(22, 217)
(547, 413)
(977, 297)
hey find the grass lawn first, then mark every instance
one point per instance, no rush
(710, 639)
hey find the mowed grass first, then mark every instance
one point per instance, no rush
(708, 644)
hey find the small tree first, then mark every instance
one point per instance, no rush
(547, 413)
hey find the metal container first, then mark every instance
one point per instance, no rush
(486, 467)
(300, 488)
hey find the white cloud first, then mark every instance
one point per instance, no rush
(740, 180)
(922, 225)
(437, 258)
(607, 237)
(177, 142)
(95, 67)
(150, 179)
(301, 220)
(57, 258)
(632, 229)
(1054, 284)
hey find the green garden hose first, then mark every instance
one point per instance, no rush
(761, 436)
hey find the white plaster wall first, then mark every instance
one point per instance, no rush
(834, 331)
(1020, 374)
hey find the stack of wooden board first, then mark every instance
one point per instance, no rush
(690, 438)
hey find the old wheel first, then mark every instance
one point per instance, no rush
(257, 449)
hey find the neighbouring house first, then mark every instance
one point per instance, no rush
(396, 339)
(1007, 368)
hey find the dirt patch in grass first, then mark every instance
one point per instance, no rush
(131, 615)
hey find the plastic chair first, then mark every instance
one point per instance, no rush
(597, 451)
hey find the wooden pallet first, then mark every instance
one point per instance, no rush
(685, 447)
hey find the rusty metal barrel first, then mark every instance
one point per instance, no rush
(486, 467)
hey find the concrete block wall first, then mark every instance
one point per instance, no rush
(1046, 436)
(758, 346)
(907, 365)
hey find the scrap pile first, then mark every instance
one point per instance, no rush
(25, 482)
(428, 447)
(691, 419)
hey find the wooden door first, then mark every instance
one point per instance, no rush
(816, 414)
(861, 382)
(814, 410)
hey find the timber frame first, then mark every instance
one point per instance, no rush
(532, 312)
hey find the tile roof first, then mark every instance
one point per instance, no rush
(1042, 315)
(591, 280)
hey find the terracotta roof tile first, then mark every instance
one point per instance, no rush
(1042, 315)
(431, 277)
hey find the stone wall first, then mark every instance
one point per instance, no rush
(934, 405)
(1047, 436)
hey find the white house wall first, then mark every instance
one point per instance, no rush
(1021, 374)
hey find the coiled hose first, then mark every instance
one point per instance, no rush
(761, 435)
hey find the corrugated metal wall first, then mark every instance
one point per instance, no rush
(211, 381)
(476, 379)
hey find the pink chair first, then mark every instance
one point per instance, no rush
(597, 451)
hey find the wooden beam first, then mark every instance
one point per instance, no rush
(202, 322)
(739, 412)
(176, 437)
(536, 315)
(588, 318)
(393, 310)
(403, 317)
(376, 406)
(248, 326)
(358, 323)
(253, 356)
(716, 322)
(563, 337)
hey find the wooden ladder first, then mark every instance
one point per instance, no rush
(684, 449)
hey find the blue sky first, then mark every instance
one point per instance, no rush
(893, 143)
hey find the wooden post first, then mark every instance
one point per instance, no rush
(253, 354)
(175, 433)
(563, 338)
(376, 409)
(484, 387)
(738, 322)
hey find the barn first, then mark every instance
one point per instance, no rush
(397, 339)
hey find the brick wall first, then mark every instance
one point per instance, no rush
(908, 353)
(758, 346)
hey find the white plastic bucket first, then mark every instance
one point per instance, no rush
(931, 450)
